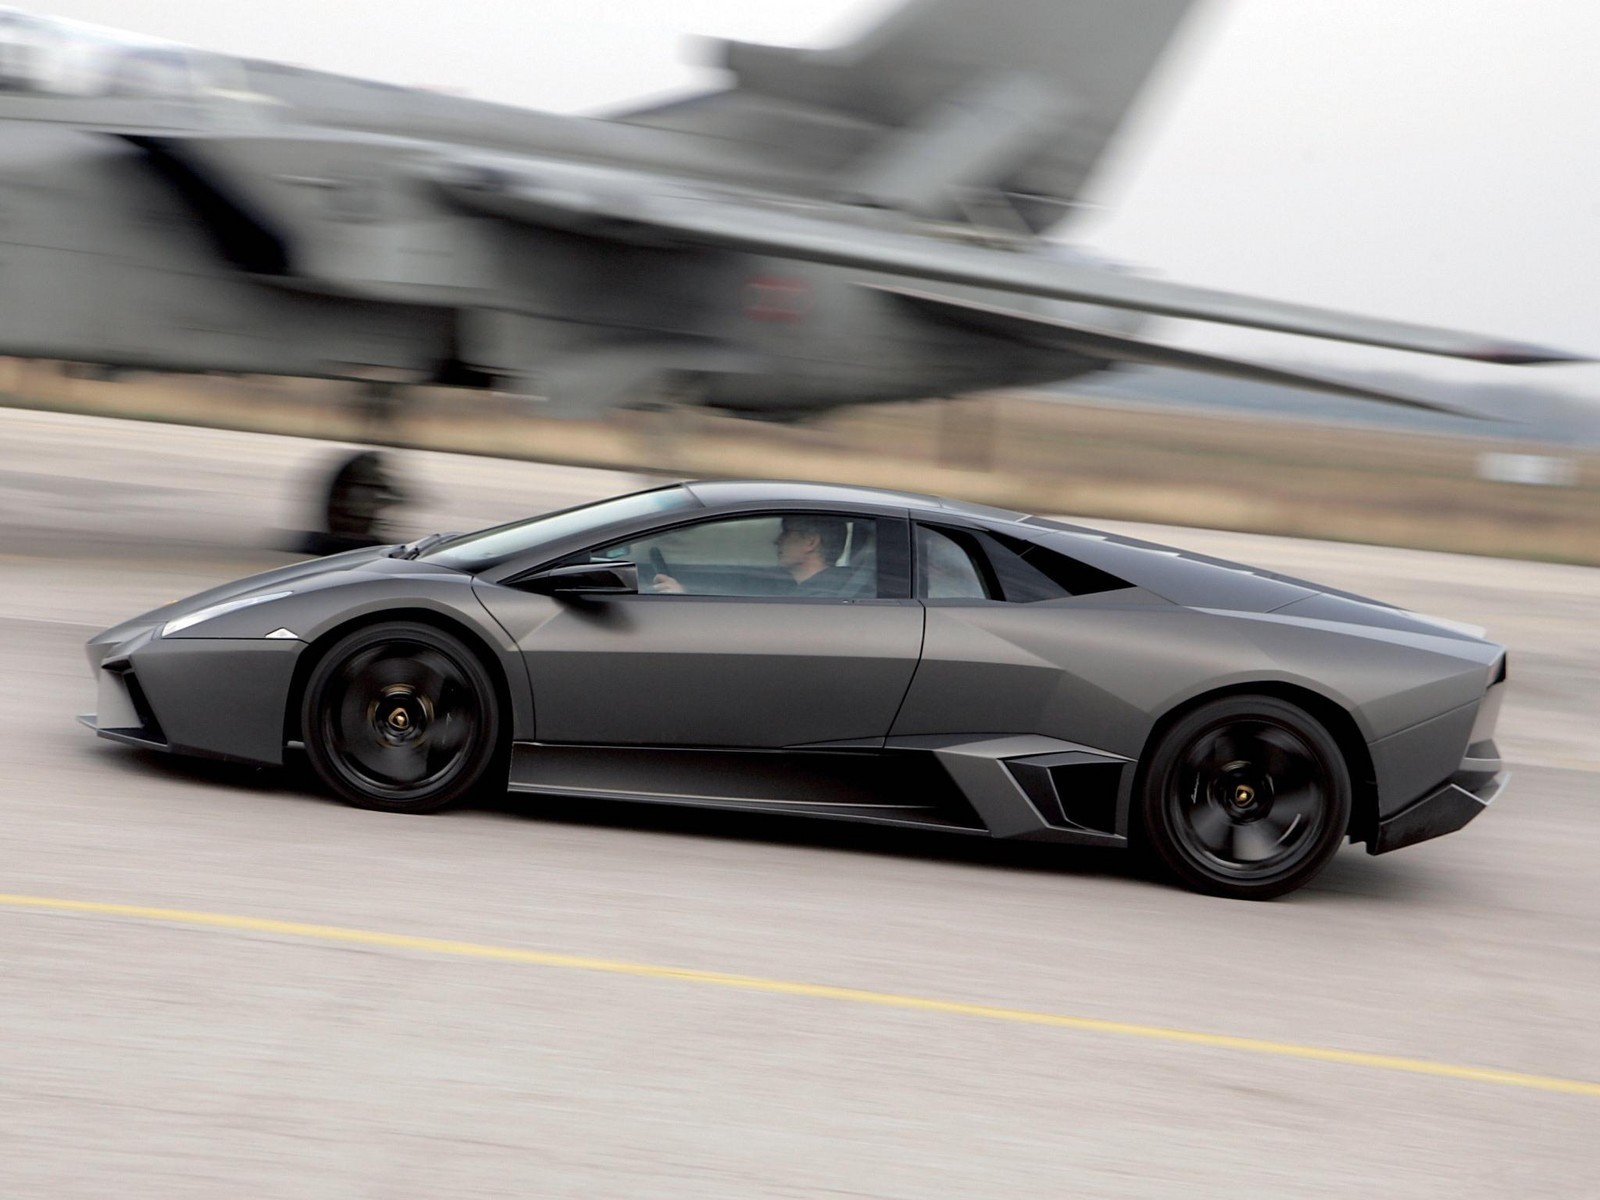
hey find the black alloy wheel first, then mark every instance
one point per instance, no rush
(401, 717)
(1246, 797)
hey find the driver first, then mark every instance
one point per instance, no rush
(808, 550)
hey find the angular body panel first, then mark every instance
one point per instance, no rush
(220, 698)
(712, 671)
(1000, 712)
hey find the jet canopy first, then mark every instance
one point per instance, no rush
(51, 57)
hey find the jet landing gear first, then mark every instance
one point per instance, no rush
(360, 490)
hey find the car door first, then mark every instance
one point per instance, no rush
(1016, 645)
(737, 653)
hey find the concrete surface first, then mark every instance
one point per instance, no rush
(147, 1058)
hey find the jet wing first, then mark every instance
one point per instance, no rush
(648, 209)
(1118, 348)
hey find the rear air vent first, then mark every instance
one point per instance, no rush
(1075, 790)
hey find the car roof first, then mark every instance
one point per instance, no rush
(1120, 551)
(717, 492)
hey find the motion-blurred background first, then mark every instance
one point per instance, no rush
(1146, 446)
(1422, 165)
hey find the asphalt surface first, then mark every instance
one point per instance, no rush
(542, 1044)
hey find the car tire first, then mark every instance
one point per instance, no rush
(402, 717)
(1247, 797)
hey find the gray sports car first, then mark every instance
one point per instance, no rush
(840, 652)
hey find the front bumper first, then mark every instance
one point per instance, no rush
(218, 698)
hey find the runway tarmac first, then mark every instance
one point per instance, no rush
(216, 982)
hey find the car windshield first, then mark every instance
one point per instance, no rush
(479, 551)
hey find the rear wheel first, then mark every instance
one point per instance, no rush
(401, 717)
(1246, 797)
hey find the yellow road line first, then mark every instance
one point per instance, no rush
(749, 983)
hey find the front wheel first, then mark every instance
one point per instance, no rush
(1246, 797)
(401, 717)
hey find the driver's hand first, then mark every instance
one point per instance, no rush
(666, 583)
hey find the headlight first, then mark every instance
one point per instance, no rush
(189, 620)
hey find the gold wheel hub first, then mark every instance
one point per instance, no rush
(400, 714)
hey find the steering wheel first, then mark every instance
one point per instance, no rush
(658, 564)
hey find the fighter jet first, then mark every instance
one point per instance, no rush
(837, 226)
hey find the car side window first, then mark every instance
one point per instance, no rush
(947, 569)
(1021, 580)
(973, 564)
(823, 556)
(1028, 572)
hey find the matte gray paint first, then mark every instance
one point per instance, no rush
(711, 670)
(1414, 760)
(972, 683)
(222, 698)
(328, 596)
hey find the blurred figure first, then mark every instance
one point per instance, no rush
(808, 548)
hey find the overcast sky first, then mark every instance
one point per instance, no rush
(1432, 160)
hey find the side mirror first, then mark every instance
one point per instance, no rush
(584, 579)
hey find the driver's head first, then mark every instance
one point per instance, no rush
(808, 544)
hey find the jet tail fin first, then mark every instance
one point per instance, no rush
(959, 98)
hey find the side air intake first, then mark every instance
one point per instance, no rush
(1074, 790)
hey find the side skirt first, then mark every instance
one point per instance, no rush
(849, 785)
(1030, 788)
